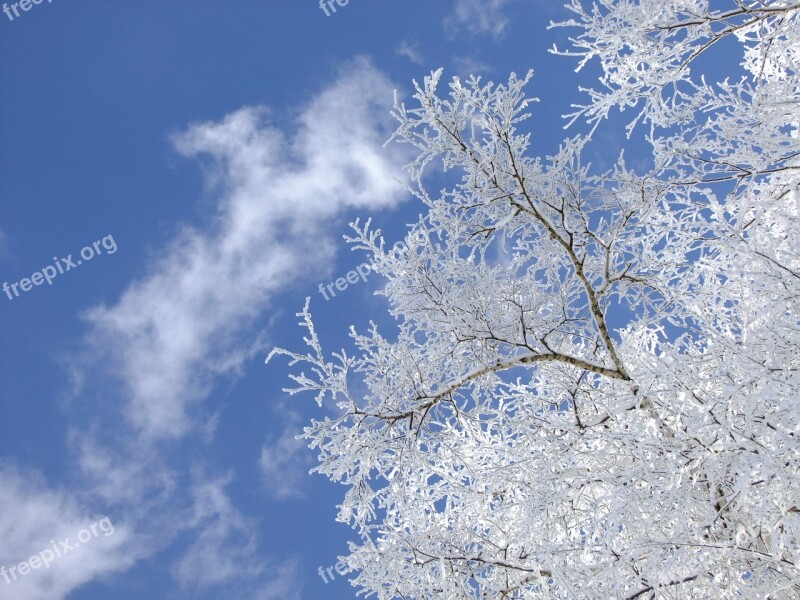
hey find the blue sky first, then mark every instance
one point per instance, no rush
(215, 152)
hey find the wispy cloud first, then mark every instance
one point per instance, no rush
(478, 17)
(174, 332)
(34, 518)
(285, 461)
(467, 65)
(225, 548)
(285, 583)
(192, 319)
(225, 553)
(3, 244)
(411, 50)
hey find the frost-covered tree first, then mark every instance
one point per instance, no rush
(593, 388)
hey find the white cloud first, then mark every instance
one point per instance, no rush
(191, 320)
(285, 583)
(34, 518)
(410, 49)
(3, 244)
(467, 65)
(126, 473)
(186, 323)
(224, 549)
(478, 17)
(285, 461)
(225, 552)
